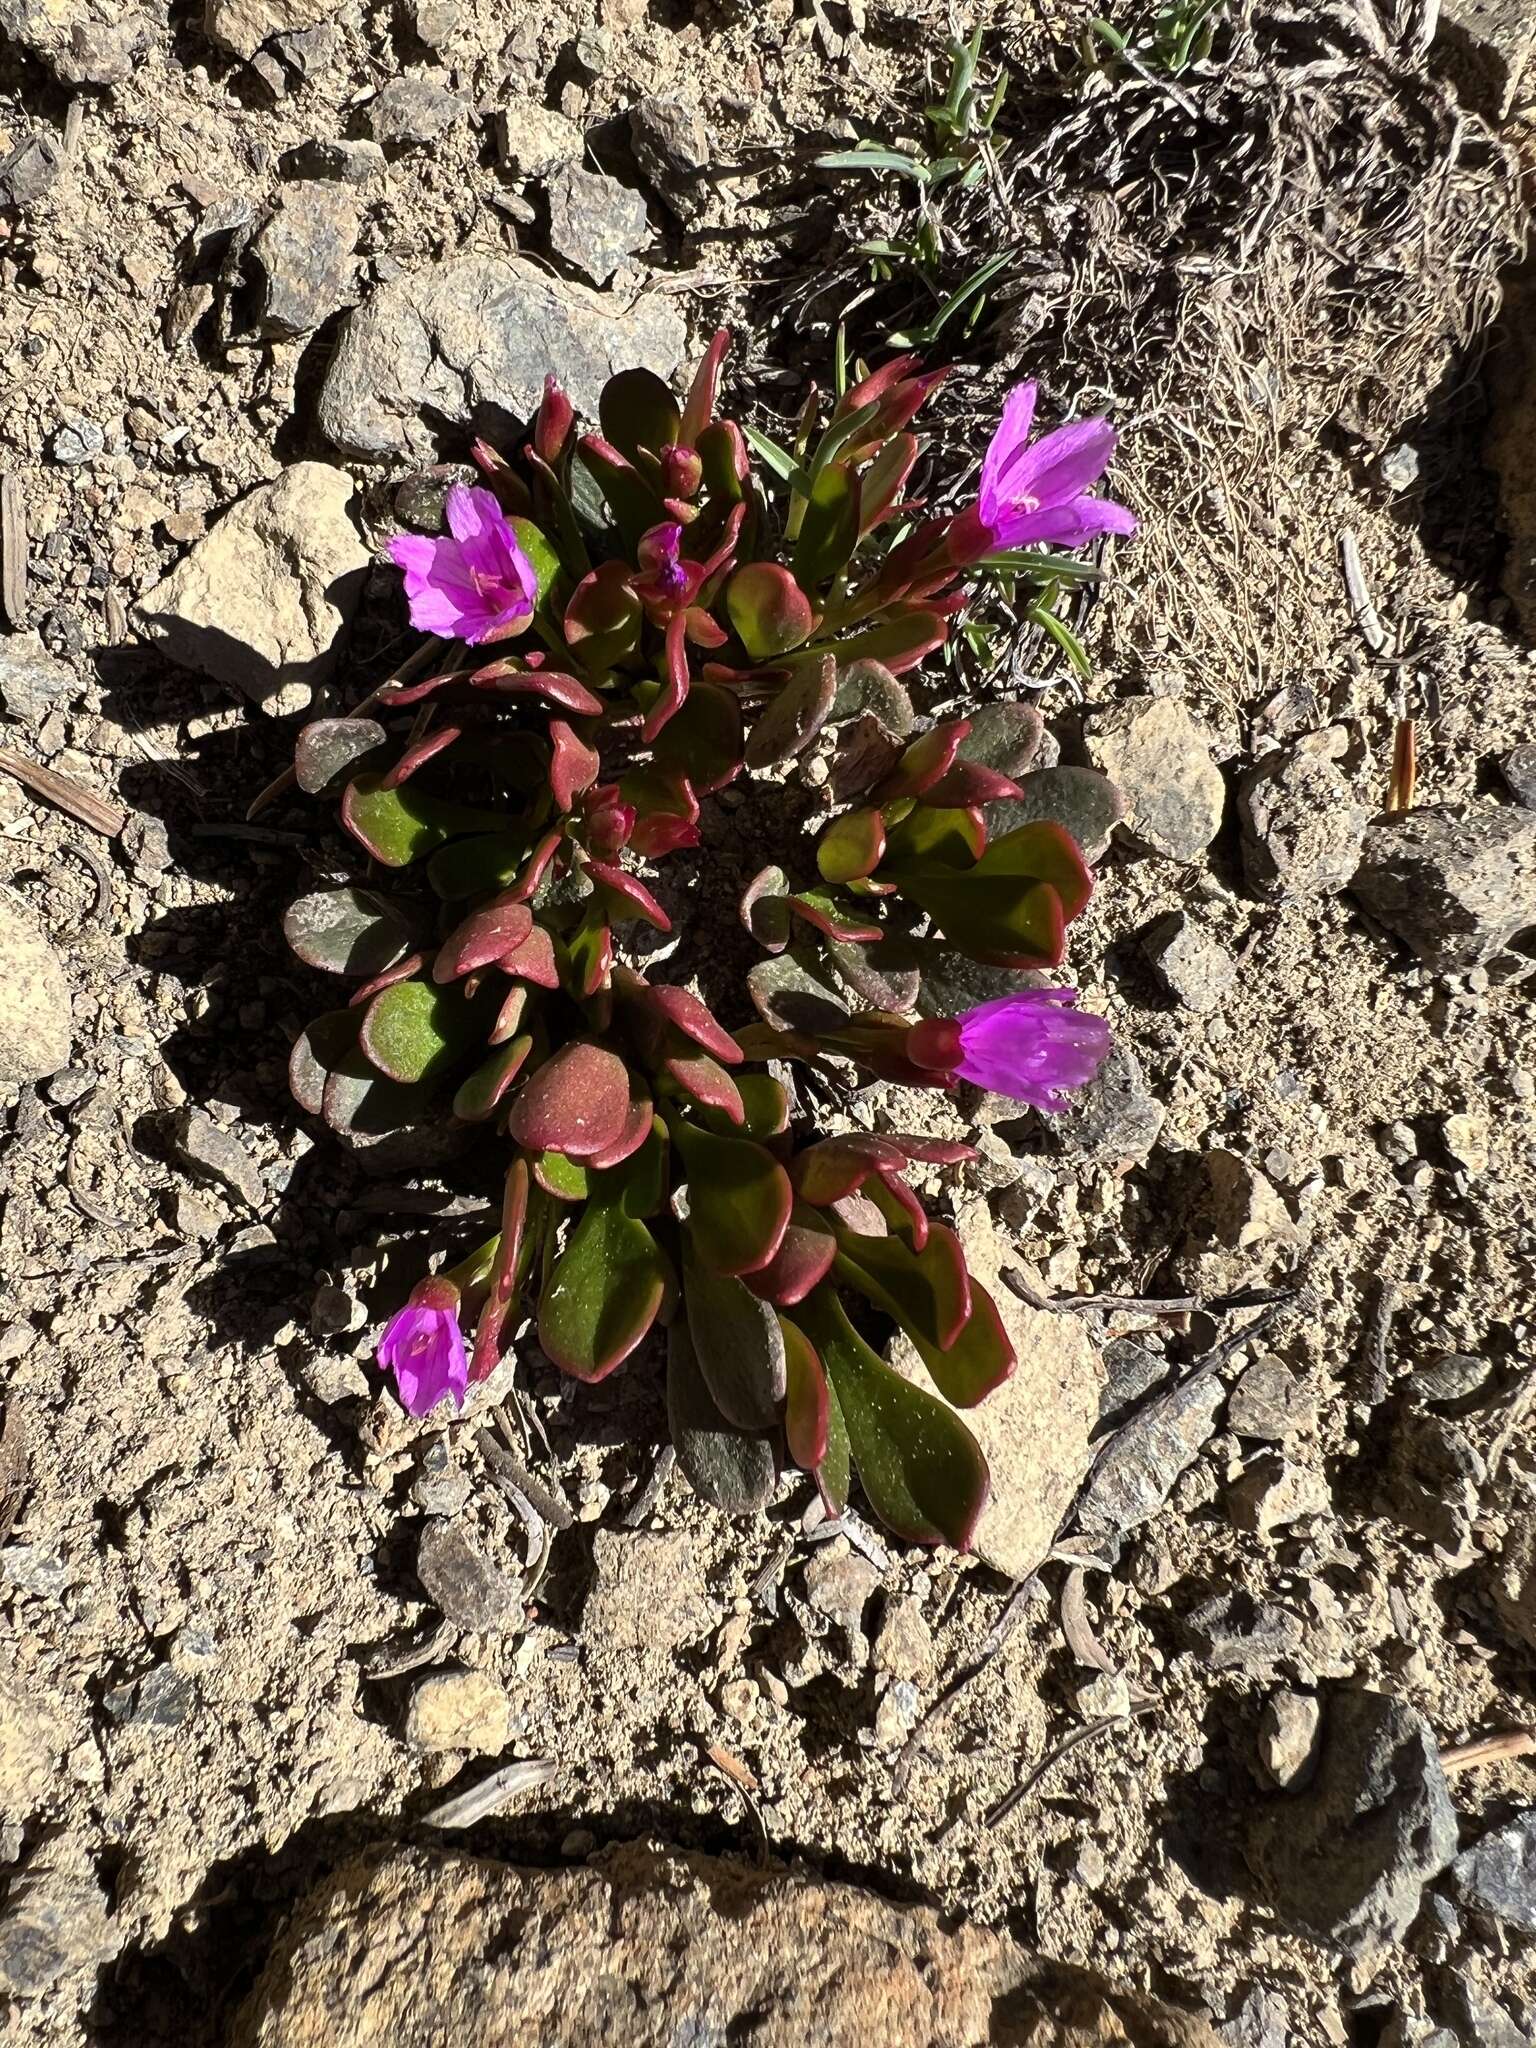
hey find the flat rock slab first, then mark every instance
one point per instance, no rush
(261, 602)
(469, 344)
(34, 1002)
(409, 1948)
(1455, 887)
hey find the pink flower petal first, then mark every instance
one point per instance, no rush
(1064, 464)
(1010, 440)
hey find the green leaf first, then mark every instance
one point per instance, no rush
(769, 610)
(928, 1292)
(836, 919)
(869, 686)
(478, 1097)
(329, 749)
(888, 979)
(542, 558)
(704, 740)
(604, 1290)
(733, 1471)
(792, 994)
(739, 1198)
(1003, 736)
(415, 1030)
(317, 1051)
(793, 718)
(347, 931)
(636, 410)
(779, 460)
(765, 908)
(921, 1469)
(829, 530)
(737, 1342)
(931, 837)
(561, 1176)
(358, 1099)
(1017, 924)
(1058, 630)
(873, 158)
(398, 826)
(490, 860)
(852, 846)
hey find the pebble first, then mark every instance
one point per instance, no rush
(1451, 1376)
(303, 257)
(1105, 1697)
(904, 1642)
(1131, 1372)
(1116, 1117)
(410, 111)
(1346, 1860)
(459, 1710)
(349, 163)
(1234, 1632)
(897, 1713)
(440, 1487)
(1192, 966)
(1273, 1493)
(647, 1591)
(1258, 2022)
(80, 441)
(163, 1698)
(336, 1311)
(1496, 1876)
(531, 139)
(33, 682)
(29, 173)
(463, 1584)
(1465, 1139)
(1271, 1402)
(839, 1583)
(739, 1698)
(595, 223)
(1302, 829)
(1087, 1867)
(1518, 768)
(1456, 887)
(1142, 1465)
(70, 1085)
(1288, 1738)
(205, 1148)
(1160, 755)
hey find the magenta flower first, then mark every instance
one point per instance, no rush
(664, 575)
(1037, 496)
(1033, 1045)
(477, 585)
(424, 1348)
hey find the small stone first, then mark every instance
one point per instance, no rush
(1234, 1632)
(1465, 1139)
(336, 1312)
(206, 1148)
(464, 1586)
(1438, 1930)
(671, 146)
(192, 1217)
(1449, 1377)
(104, 53)
(739, 1698)
(1518, 768)
(647, 1591)
(1191, 965)
(1302, 829)
(440, 1487)
(434, 22)
(244, 25)
(1115, 1118)
(1434, 1478)
(29, 173)
(1087, 1867)
(1258, 2022)
(840, 1584)
(80, 441)
(1397, 1143)
(54, 1921)
(1346, 1860)
(904, 1642)
(578, 1843)
(348, 163)
(531, 139)
(262, 601)
(303, 256)
(1398, 467)
(459, 1710)
(1496, 1876)
(1160, 755)
(421, 500)
(595, 223)
(1131, 1373)
(1273, 1493)
(332, 1379)
(411, 110)
(1105, 1697)
(35, 1024)
(1144, 1462)
(1239, 1225)
(1455, 887)
(1513, 1572)
(32, 681)
(70, 1085)
(1288, 1738)
(1271, 1402)
(163, 1698)
(897, 1713)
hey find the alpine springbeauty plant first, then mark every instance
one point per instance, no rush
(625, 621)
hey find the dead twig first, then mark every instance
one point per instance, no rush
(1405, 766)
(1378, 1338)
(647, 1497)
(1488, 1749)
(1000, 1631)
(13, 552)
(64, 792)
(14, 1468)
(507, 1469)
(393, 1661)
(491, 1794)
(1012, 1801)
(1364, 613)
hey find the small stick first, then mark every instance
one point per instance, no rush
(1377, 1342)
(386, 1662)
(645, 1500)
(491, 1794)
(13, 551)
(1487, 1749)
(1365, 615)
(62, 790)
(1405, 767)
(1012, 1801)
(1001, 1629)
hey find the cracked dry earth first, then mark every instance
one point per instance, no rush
(1229, 1706)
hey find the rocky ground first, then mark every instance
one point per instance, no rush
(1235, 1702)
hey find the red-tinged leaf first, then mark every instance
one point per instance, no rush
(824, 913)
(902, 1211)
(683, 1010)
(966, 784)
(731, 1469)
(852, 846)
(347, 931)
(607, 823)
(674, 693)
(509, 1016)
(627, 895)
(603, 618)
(723, 460)
(666, 810)
(700, 630)
(927, 1291)
(427, 748)
(806, 1417)
(478, 1097)
(699, 410)
(887, 980)
(553, 423)
(703, 1080)
(884, 479)
(397, 696)
(1008, 922)
(401, 971)
(398, 826)
(1043, 852)
(589, 952)
(508, 1269)
(562, 1178)
(922, 1471)
(578, 1102)
(793, 718)
(532, 958)
(526, 887)
(317, 1051)
(485, 936)
(900, 641)
(979, 1360)
(739, 1198)
(803, 1260)
(768, 609)
(738, 1344)
(635, 505)
(765, 909)
(928, 837)
(415, 1031)
(792, 994)
(925, 760)
(639, 1122)
(329, 750)
(566, 692)
(573, 765)
(359, 1101)
(604, 1291)
(703, 742)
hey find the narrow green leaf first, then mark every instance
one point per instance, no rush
(737, 1342)
(603, 1291)
(733, 1471)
